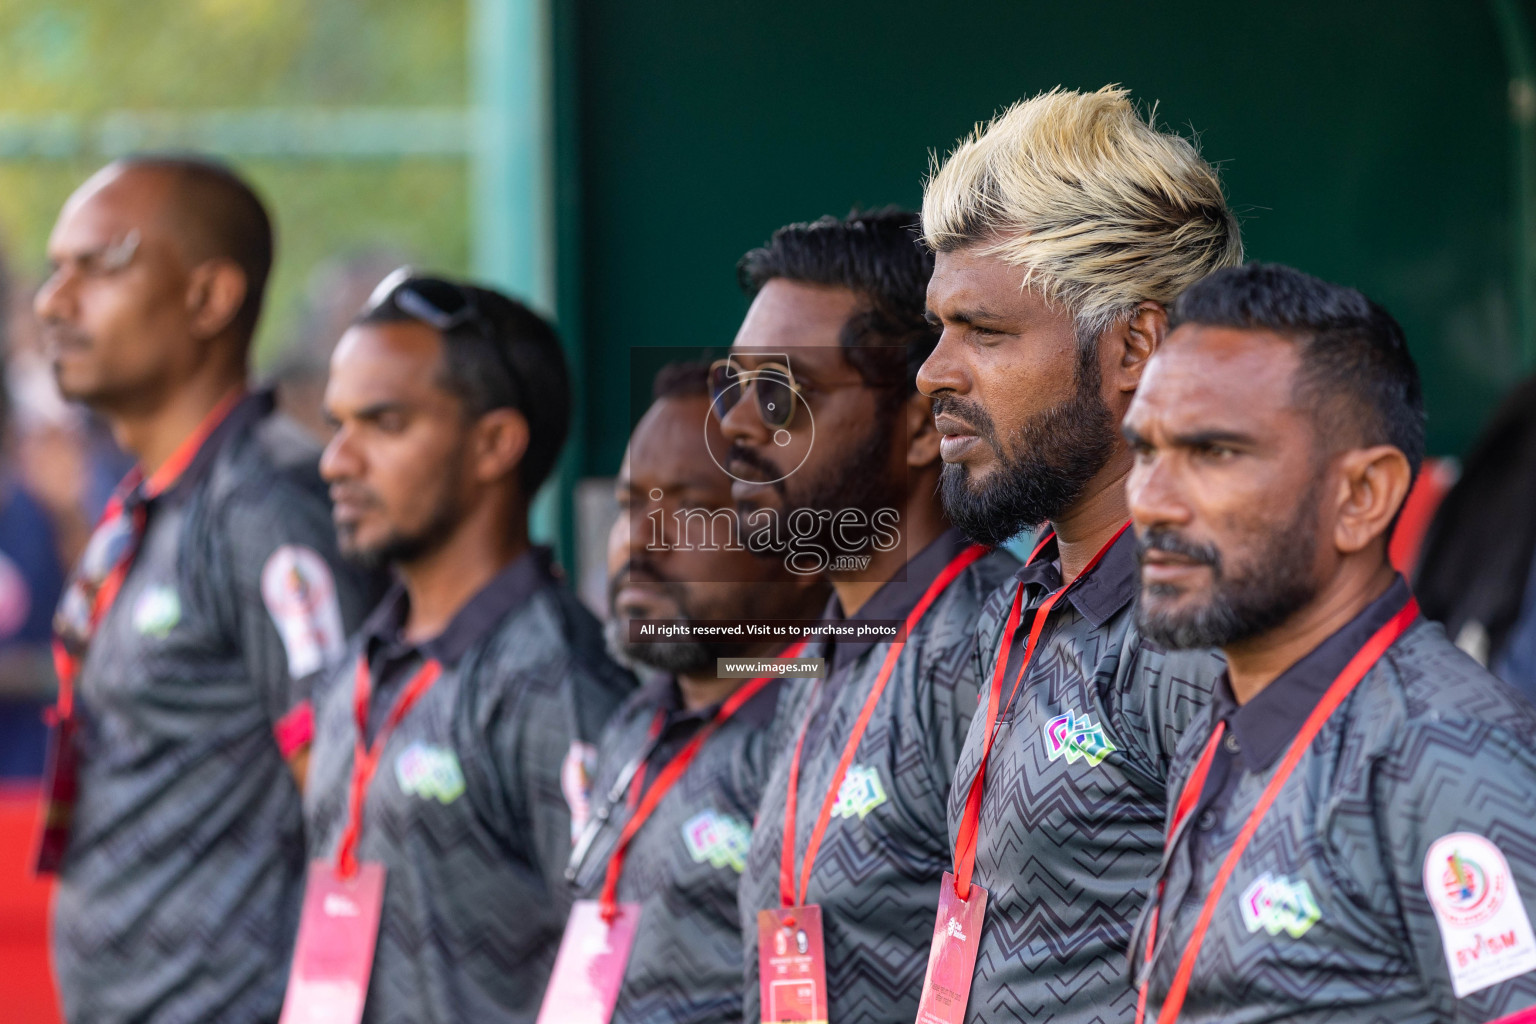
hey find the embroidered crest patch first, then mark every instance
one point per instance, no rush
(431, 773)
(1072, 737)
(860, 793)
(1484, 928)
(1277, 904)
(156, 611)
(717, 840)
(300, 595)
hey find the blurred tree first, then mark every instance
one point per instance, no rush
(89, 58)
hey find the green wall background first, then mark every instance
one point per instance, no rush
(1367, 142)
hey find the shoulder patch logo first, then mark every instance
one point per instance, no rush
(718, 840)
(576, 781)
(1072, 737)
(156, 611)
(860, 793)
(1484, 928)
(1277, 904)
(300, 595)
(429, 772)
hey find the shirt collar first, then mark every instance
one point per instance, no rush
(1267, 724)
(249, 410)
(897, 598)
(1097, 595)
(661, 694)
(507, 591)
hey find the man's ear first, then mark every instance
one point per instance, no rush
(1135, 341)
(500, 441)
(1374, 483)
(922, 435)
(216, 290)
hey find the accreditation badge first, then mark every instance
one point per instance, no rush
(333, 957)
(61, 783)
(589, 969)
(792, 965)
(952, 957)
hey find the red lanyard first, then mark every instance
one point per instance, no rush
(67, 664)
(1363, 661)
(787, 890)
(365, 760)
(965, 837)
(668, 776)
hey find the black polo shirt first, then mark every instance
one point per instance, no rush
(877, 875)
(179, 893)
(468, 811)
(1392, 878)
(685, 863)
(1073, 808)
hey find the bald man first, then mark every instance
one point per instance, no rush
(209, 596)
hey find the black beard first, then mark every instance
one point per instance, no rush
(861, 481)
(681, 657)
(1042, 471)
(1276, 585)
(405, 548)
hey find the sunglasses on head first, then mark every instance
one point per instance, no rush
(444, 307)
(773, 384)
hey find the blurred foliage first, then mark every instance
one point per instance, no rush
(88, 57)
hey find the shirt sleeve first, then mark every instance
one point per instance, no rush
(1169, 690)
(293, 600)
(1456, 806)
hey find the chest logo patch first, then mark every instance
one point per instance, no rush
(860, 793)
(429, 772)
(718, 840)
(1276, 904)
(1073, 736)
(1484, 929)
(156, 611)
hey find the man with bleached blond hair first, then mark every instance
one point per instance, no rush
(1062, 231)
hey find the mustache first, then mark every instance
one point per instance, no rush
(57, 332)
(639, 570)
(968, 412)
(354, 494)
(738, 454)
(1169, 542)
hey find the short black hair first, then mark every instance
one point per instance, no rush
(684, 379)
(514, 361)
(879, 256)
(227, 217)
(1356, 372)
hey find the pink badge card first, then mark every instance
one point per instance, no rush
(589, 969)
(952, 959)
(60, 784)
(333, 957)
(792, 965)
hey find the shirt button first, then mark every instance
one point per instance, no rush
(1206, 821)
(1230, 743)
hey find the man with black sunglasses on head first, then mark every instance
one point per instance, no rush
(207, 599)
(448, 759)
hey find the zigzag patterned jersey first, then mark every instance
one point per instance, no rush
(683, 867)
(878, 873)
(180, 889)
(1404, 843)
(469, 812)
(1072, 815)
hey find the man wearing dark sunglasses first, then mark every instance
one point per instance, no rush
(832, 446)
(205, 602)
(452, 744)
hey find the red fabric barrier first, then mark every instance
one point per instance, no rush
(26, 979)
